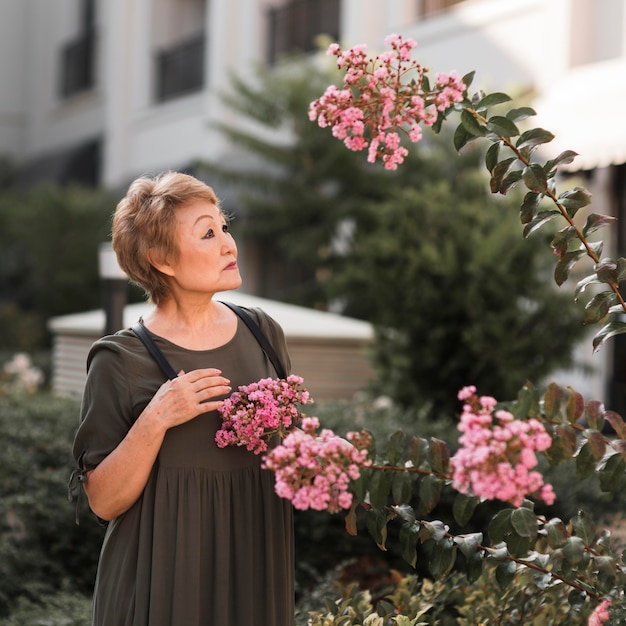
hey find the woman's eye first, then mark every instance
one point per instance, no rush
(225, 228)
(209, 233)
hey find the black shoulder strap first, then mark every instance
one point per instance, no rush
(158, 356)
(260, 337)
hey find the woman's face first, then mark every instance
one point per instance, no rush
(207, 260)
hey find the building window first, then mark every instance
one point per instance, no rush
(429, 8)
(180, 69)
(78, 55)
(294, 26)
(178, 47)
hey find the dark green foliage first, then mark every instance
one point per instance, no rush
(49, 238)
(41, 547)
(457, 295)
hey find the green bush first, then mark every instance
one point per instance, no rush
(49, 239)
(41, 547)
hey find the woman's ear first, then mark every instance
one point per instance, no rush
(155, 258)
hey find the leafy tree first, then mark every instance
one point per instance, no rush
(424, 253)
(456, 294)
(49, 238)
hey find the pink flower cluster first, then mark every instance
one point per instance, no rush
(600, 614)
(497, 453)
(256, 412)
(376, 102)
(314, 470)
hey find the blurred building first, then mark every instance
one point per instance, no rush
(101, 91)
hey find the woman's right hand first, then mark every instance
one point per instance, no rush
(116, 483)
(179, 400)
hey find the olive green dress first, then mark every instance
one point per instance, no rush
(208, 543)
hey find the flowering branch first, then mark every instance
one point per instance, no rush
(390, 94)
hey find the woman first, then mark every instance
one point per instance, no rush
(196, 535)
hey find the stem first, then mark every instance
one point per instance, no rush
(590, 253)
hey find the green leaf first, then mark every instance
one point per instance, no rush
(585, 462)
(594, 414)
(606, 271)
(468, 78)
(534, 137)
(556, 532)
(595, 222)
(606, 332)
(491, 157)
(597, 444)
(491, 100)
(429, 493)
(509, 181)
(598, 307)
(418, 450)
(395, 447)
(524, 522)
(566, 157)
(575, 406)
(519, 546)
(520, 114)
(584, 527)
(574, 549)
(617, 423)
(440, 455)
(472, 125)
(461, 137)
(402, 488)
(498, 173)
(562, 239)
(505, 573)
(435, 530)
(408, 537)
(612, 473)
(535, 178)
(442, 558)
(500, 525)
(541, 218)
(565, 265)
(405, 512)
(378, 487)
(463, 508)
(469, 544)
(575, 199)
(474, 567)
(563, 445)
(376, 522)
(553, 400)
(502, 126)
(529, 207)
(592, 279)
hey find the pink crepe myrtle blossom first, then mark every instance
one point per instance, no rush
(255, 413)
(600, 614)
(314, 469)
(497, 453)
(387, 91)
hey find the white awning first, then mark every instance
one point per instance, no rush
(585, 110)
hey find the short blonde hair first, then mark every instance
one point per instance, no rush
(144, 223)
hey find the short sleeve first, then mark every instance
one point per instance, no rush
(106, 410)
